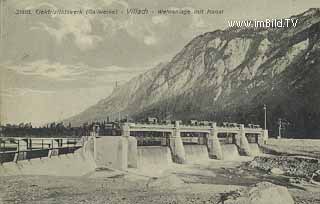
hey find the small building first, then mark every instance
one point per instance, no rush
(152, 120)
(194, 122)
(256, 126)
(204, 123)
(168, 122)
(233, 125)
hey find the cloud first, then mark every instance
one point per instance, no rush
(79, 27)
(118, 69)
(16, 92)
(51, 70)
(73, 72)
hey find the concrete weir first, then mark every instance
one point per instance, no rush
(184, 153)
(122, 152)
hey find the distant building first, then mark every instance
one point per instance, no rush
(194, 122)
(256, 126)
(204, 123)
(151, 120)
(168, 122)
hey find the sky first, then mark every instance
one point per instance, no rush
(55, 66)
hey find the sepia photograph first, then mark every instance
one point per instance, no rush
(165, 102)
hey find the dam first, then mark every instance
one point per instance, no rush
(146, 147)
(193, 143)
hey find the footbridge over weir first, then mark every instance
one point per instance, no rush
(176, 136)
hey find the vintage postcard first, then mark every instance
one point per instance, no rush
(171, 101)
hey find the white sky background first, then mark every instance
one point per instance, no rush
(53, 67)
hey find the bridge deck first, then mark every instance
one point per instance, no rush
(188, 128)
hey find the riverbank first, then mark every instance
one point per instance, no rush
(207, 182)
(302, 147)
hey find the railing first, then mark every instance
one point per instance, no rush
(34, 154)
(42, 150)
(19, 144)
(138, 126)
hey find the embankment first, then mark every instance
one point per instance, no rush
(304, 147)
(296, 166)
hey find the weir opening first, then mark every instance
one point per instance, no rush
(230, 152)
(254, 149)
(196, 153)
(154, 158)
(253, 144)
(195, 146)
(229, 146)
(153, 151)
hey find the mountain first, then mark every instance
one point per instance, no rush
(227, 75)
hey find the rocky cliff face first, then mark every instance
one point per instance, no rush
(229, 75)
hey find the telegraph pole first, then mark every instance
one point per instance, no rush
(280, 127)
(265, 116)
